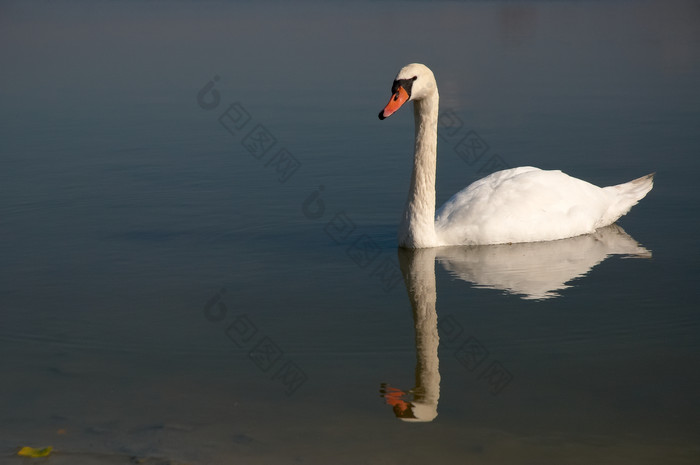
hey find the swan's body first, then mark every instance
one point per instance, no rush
(527, 204)
(523, 204)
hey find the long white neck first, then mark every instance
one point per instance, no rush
(417, 228)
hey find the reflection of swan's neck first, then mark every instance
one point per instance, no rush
(427, 362)
(418, 268)
(417, 227)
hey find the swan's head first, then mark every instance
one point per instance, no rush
(414, 82)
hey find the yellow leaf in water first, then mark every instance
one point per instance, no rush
(32, 452)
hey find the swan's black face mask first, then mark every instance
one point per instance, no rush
(401, 93)
(407, 85)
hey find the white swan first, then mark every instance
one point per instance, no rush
(523, 204)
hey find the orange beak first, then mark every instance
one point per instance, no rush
(398, 99)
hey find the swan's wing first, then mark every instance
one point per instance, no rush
(523, 204)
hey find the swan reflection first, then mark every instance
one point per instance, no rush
(537, 270)
(418, 270)
(530, 270)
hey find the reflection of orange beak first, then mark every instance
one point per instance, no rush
(398, 99)
(393, 396)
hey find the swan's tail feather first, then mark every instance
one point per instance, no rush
(627, 195)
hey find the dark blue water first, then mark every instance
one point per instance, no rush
(198, 277)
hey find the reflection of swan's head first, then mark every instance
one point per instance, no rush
(414, 82)
(410, 411)
(418, 413)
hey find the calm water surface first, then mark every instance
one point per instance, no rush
(198, 209)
